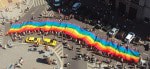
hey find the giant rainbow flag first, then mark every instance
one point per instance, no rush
(79, 33)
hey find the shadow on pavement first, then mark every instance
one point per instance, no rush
(41, 60)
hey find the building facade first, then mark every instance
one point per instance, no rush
(129, 15)
(134, 9)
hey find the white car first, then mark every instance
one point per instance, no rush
(113, 32)
(129, 37)
(76, 6)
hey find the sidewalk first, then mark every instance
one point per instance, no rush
(2, 31)
(14, 12)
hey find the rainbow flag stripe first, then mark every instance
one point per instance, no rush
(79, 33)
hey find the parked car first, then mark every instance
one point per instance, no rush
(66, 11)
(32, 40)
(53, 42)
(121, 35)
(113, 32)
(130, 36)
(48, 41)
(98, 26)
(76, 6)
(57, 3)
(106, 28)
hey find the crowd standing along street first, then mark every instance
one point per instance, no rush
(61, 35)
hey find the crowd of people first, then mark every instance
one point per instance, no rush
(17, 65)
(67, 37)
(86, 57)
(92, 59)
(20, 35)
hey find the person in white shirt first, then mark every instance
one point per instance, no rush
(21, 60)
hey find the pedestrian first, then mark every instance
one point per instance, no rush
(65, 43)
(0, 45)
(42, 37)
(65, 55)
(68, 46)
(32, 18)
(9, 45)
(21, 60)
(54, 62)
(5, 46)
(68, 64)
(60, 20)
(58, 34)
(3, 22)
(72, 47)
(46, 48)
(142, 61)
(79, 42)
(27, 8)
(49, 60)
(36, 44)
(17, 65)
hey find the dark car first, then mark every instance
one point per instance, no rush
(76, 6)
(106, 28)
(120, 35)
(98, 26)
(57, 3)
(66, 11)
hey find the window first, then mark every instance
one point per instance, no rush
(135, 1)
(146, 20)
(132, 13)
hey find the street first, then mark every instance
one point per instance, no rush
(33, 12)
(73, 61)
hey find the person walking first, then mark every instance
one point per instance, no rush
(46, 48)
(5, 46)
(21, 60)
